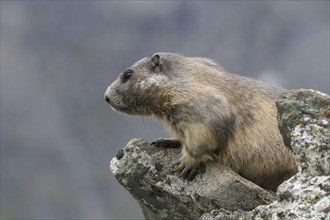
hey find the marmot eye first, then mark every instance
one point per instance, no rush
(127, 75)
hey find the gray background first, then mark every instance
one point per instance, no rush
(58, 57)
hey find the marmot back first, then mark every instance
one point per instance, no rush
(213, 115)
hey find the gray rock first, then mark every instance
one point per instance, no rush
(304, 119)
(148, 173)
(222, 214)
(296, 107)
(301, 197)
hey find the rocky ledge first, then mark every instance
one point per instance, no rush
(148, 173)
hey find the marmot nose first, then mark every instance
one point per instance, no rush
(107, 99)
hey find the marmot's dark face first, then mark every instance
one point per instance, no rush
(143, 87)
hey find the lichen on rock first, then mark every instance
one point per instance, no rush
(297, 107)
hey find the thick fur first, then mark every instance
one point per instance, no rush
(217, 116)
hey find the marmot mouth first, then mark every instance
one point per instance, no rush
(117, 107)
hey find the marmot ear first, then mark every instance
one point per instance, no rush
(155, 60)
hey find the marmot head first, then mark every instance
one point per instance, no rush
(146, 86)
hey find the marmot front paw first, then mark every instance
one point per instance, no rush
(189, 171)
(166, 143)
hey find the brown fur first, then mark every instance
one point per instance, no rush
(217, 116)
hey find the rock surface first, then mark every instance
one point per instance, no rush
(148, 173)
(304, 121)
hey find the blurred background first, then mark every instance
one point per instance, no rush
(58, 57)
